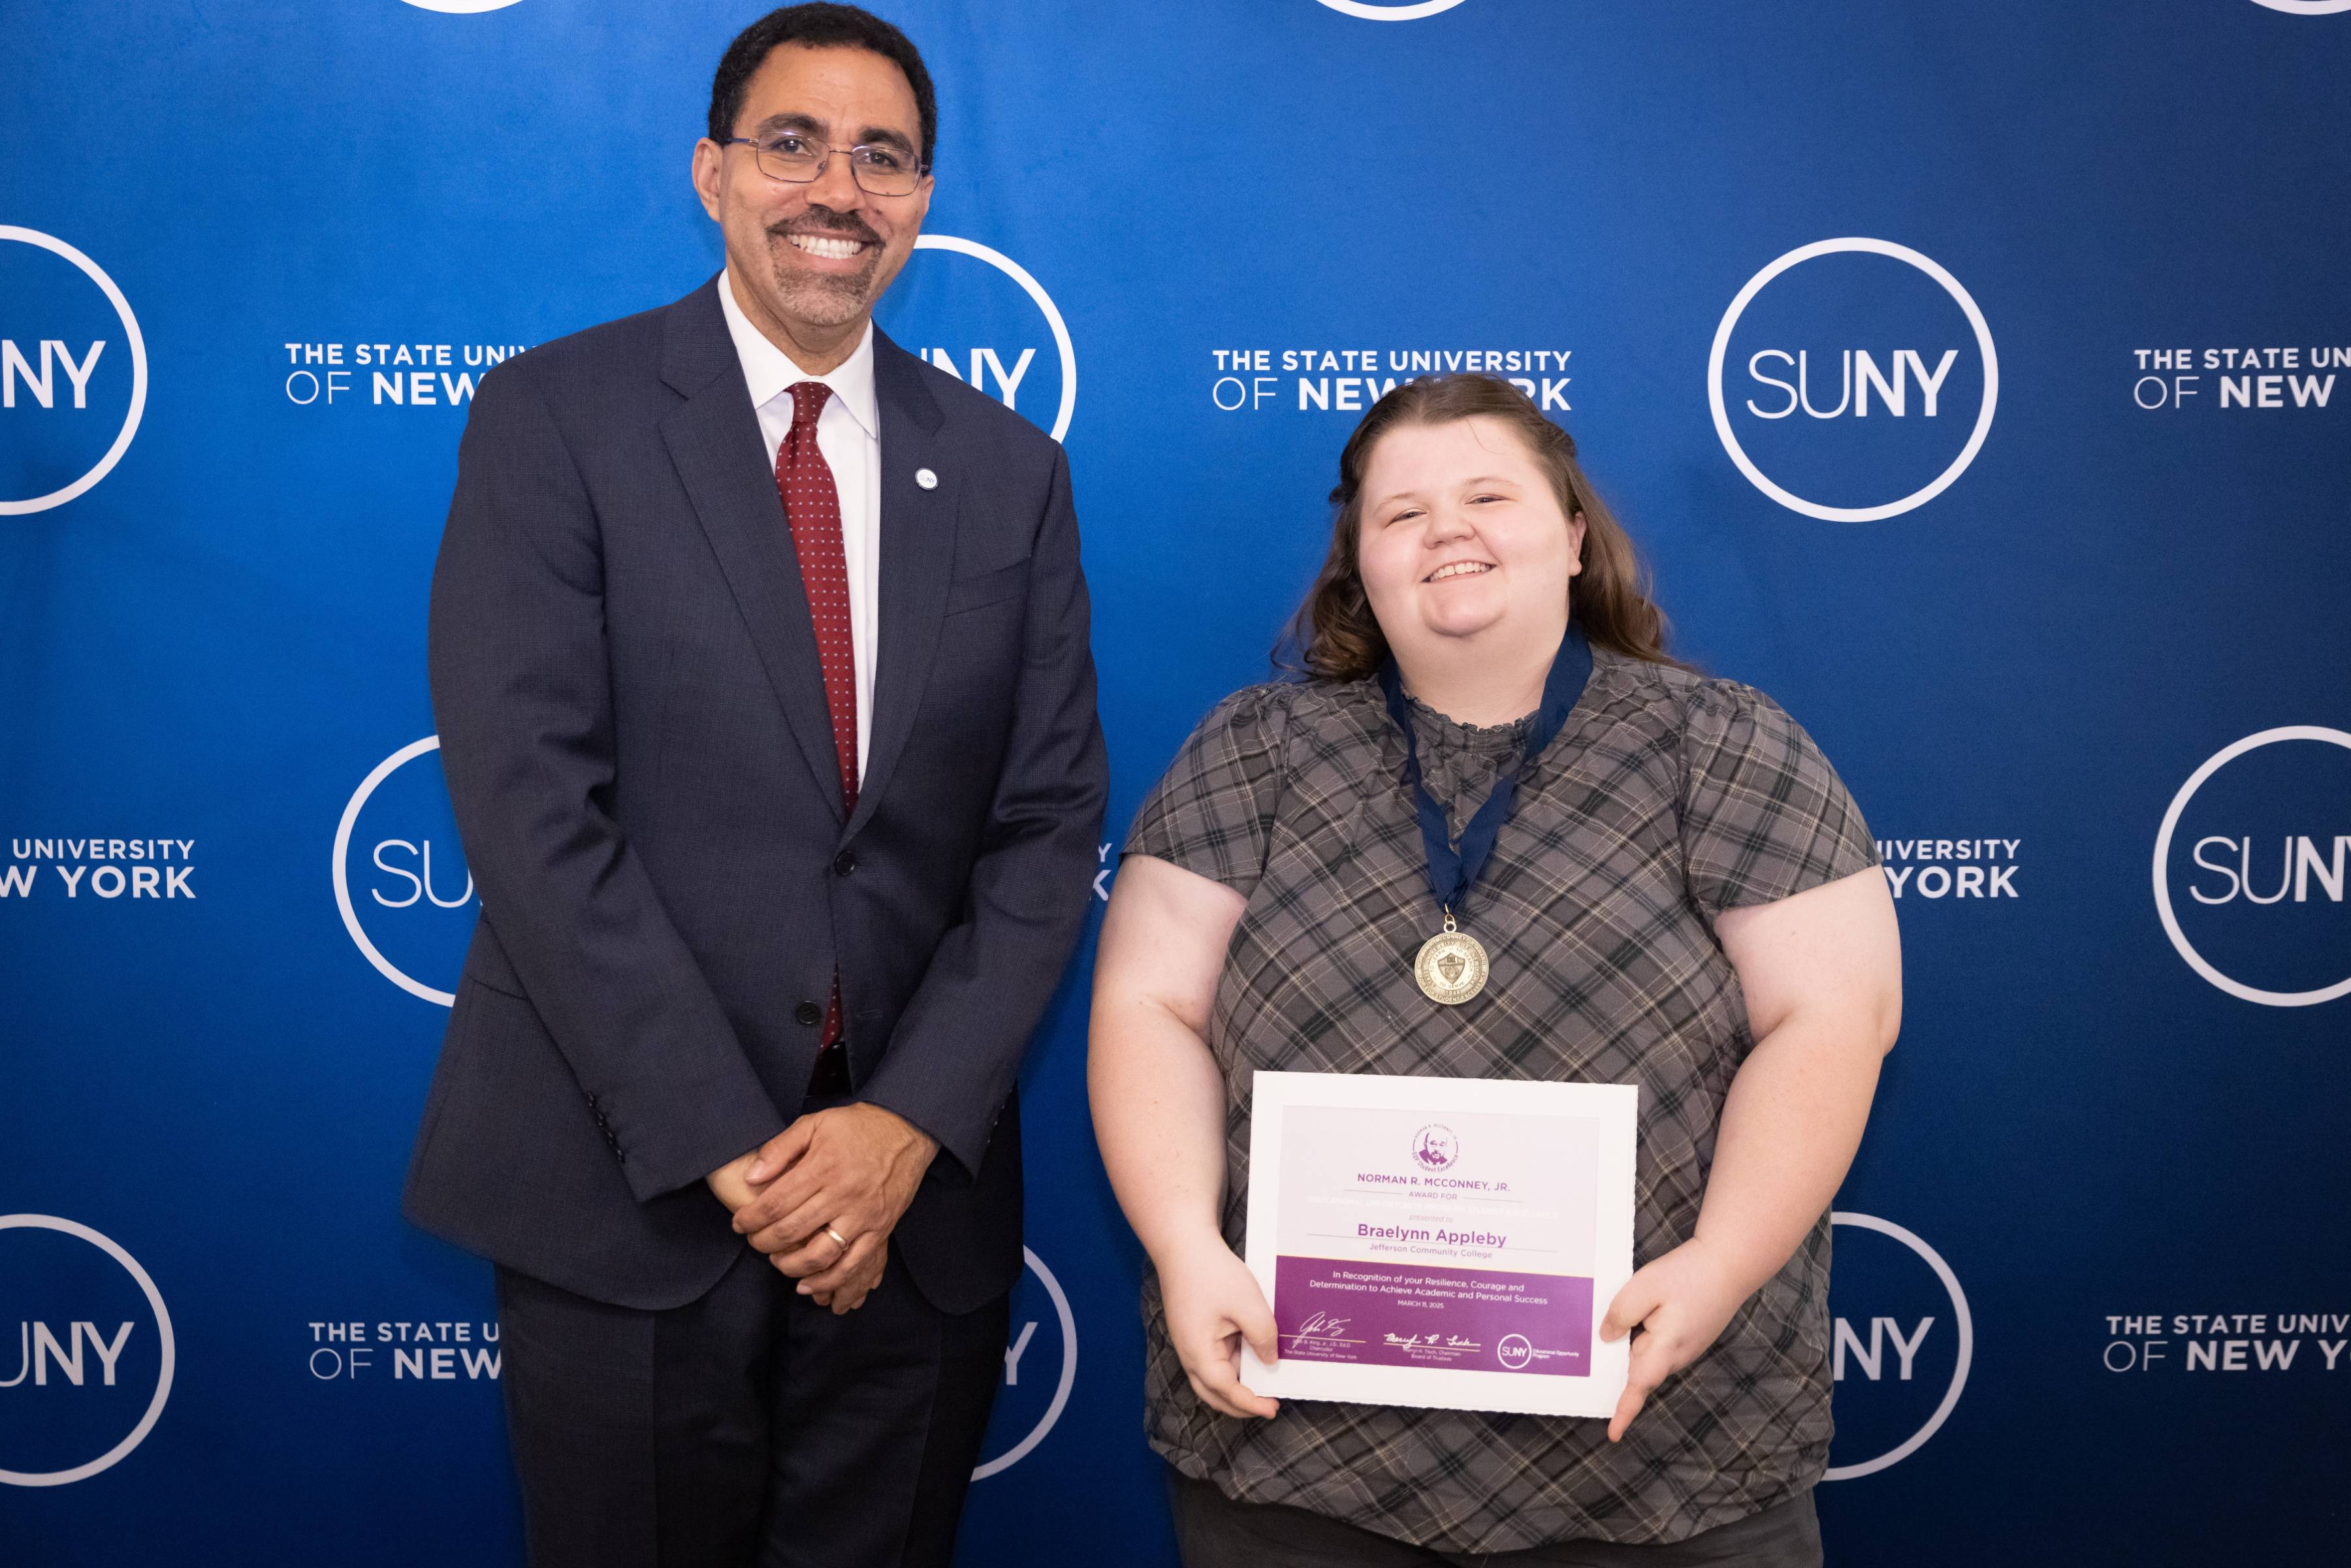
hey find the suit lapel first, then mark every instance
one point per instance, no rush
(918, 538)
(714, 439)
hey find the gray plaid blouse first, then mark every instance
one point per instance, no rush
(1667, 798)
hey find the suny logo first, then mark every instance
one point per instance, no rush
(85, 1348)
(1855, 388)
(1039, 1366)
(1396, 11)
(987, 327)
(2250, 867)
(400, 874)
(73, 372)
(1901, 1342)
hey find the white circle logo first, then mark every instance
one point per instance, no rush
(1514, 1351)
(461, 7)
(1894, 392)
(1872, 1355)
(1020, 1375)
(44, 1352)
(2304, 857)
(414, 885)
(986, 369)
(2306, 8)
(1405, 11)
(13, 360)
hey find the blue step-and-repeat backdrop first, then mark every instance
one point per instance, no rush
(1977, 375)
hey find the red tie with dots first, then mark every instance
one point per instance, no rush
(813, 510)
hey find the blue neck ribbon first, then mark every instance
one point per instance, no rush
(1452, 870)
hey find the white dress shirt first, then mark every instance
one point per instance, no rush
(849, 434)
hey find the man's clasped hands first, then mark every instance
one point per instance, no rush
(821, 1196)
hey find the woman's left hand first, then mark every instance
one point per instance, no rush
(1679, 1303)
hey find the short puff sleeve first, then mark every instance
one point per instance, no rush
(1212, 812)
(1763, 815)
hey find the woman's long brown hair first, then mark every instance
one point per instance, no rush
(1334, 634)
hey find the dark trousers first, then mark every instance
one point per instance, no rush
(751, 1428)
(1212, 1530)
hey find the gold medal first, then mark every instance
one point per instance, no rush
(1450, 967)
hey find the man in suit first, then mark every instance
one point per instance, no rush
(759, 660)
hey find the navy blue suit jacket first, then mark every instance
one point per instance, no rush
(633, 727)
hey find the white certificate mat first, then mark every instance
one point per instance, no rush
(1450, 1242)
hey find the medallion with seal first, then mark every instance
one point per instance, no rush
(1450, 967)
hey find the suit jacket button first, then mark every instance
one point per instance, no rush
(809, 1013)
(844, 862)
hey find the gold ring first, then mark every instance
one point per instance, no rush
(838, 1240)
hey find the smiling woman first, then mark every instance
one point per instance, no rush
(1446, 424)
(1666, 886)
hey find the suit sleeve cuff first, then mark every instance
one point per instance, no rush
(656, 1173)
(963, 1139)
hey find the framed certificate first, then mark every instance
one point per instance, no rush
(1441, 1241)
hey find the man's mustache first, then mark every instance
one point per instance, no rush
(816, 220)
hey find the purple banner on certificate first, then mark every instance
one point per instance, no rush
(1414, 1314)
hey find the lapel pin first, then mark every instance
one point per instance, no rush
(926, 479)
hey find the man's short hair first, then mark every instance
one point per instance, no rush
(818, 27)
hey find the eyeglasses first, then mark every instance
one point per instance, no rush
(879, 169)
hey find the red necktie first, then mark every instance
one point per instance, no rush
(813, 510)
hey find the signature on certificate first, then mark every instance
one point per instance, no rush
(1433, 1341)
(1319, 1327)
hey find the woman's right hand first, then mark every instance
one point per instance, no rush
(1159, 1099)
(1213, 1303)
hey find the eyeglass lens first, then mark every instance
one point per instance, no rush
(879, 171)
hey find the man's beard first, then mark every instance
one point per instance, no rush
(826, 298)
